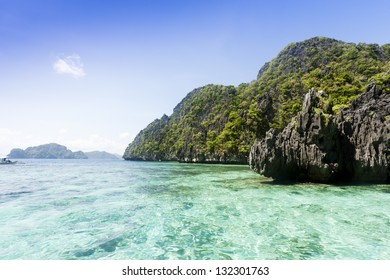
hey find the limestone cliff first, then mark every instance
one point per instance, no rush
(219, 124)
(353, 145)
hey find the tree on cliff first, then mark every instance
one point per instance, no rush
(218, 123)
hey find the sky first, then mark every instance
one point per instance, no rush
(91, 74)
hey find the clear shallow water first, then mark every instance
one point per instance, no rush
(82, 209)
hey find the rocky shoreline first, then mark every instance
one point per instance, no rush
(352, 146)
(318, 111)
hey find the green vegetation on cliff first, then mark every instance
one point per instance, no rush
(218, 123)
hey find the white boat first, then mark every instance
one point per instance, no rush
(5, 160)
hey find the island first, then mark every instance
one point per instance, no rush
(57, 151)
(102, 155)
(319, 111)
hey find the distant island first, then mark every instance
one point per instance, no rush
(319, 111)
(57, 151)
(101, 155)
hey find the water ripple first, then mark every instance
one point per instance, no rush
(143, 210)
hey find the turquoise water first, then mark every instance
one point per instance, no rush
(84, 209)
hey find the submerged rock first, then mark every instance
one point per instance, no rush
(353, 146)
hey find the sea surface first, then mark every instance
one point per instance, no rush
(113, 209)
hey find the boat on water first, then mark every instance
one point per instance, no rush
(5, 160)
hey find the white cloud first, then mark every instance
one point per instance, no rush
(6, 132)
(62, 131)
(124, 135)
(70, 65)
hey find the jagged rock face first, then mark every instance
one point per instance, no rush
(218, 124)
(353, 146)
(366, 126)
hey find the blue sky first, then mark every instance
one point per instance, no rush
(91, 74)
